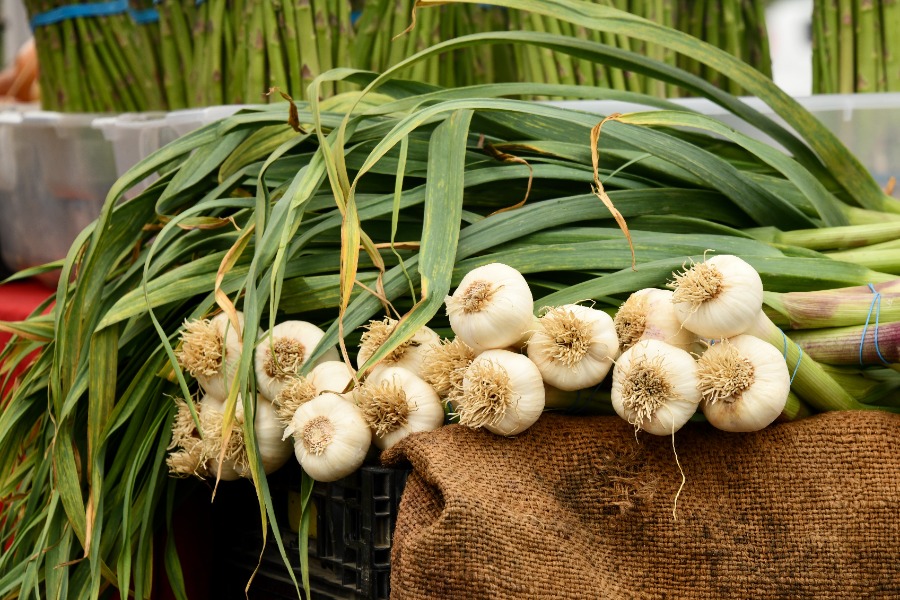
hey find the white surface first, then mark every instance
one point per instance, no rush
(16, 31)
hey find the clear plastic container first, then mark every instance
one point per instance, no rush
(56, 170)
(56, 174)
(868, 124)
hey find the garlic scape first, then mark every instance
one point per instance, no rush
(331, 438)
(719, 297)
(410, 354)
(491, 308)
(502, 391)
(395, 403)
(649, 314)
(445, 365)
(329, 376)
(744, 383)
(211, 351)
(574, 346)
(283, 351)
(654, 387)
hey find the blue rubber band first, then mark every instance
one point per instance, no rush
(797, 366)
(354, 16)
(145, 16)
(876, 306)
(75, 11)
(784, 352)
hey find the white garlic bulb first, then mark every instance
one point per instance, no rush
(502, 391)
(211, 352)
(273, 451)
(491, 308)
(331, 376)
(283, 351)
(574, 346)
(654, 387)
(395, 403)
(744, 383)
(719, 297)
(649, 314)
(409, 355)
(331, 438)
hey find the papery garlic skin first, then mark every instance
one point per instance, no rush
(654, 387)
(224, 348)
(574, 346)
(744, 382)
(274, 451)
(649, 314)
(501, 391)
(719, 297)
(283, 351)
(331, 438)
(396, 403)
(492, 307)
(409, 355)
(331, 376)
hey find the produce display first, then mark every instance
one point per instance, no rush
(853, 46)
(146, 56)
(319, 277)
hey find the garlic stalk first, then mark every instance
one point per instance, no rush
(331, 437)
(395, 402)
(409, 355)
(329, 376)
(211, 351)
(574, 346)
(649, 314)
(283, 352)
(743, 382)
(445, 365)
(719, 297)
(654, 387)
(501, 391)
(491, 308)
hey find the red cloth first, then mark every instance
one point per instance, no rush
(18, 300)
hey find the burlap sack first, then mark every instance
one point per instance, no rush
(580, 508)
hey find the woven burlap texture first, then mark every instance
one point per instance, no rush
(581, 507)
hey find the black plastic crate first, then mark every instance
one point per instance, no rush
(355, 523)
(348, 560)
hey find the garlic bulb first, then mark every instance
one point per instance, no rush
(574, 346)
(501, 391)
(654, 387)
(445, 366)
(719, 297)
(410, 354)
(491, 308)
(744, 383)
(649, 314)
(283, 351)
(395, 403)
(187, 459)
(331, 437)
(329, 376)
(210, 352)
